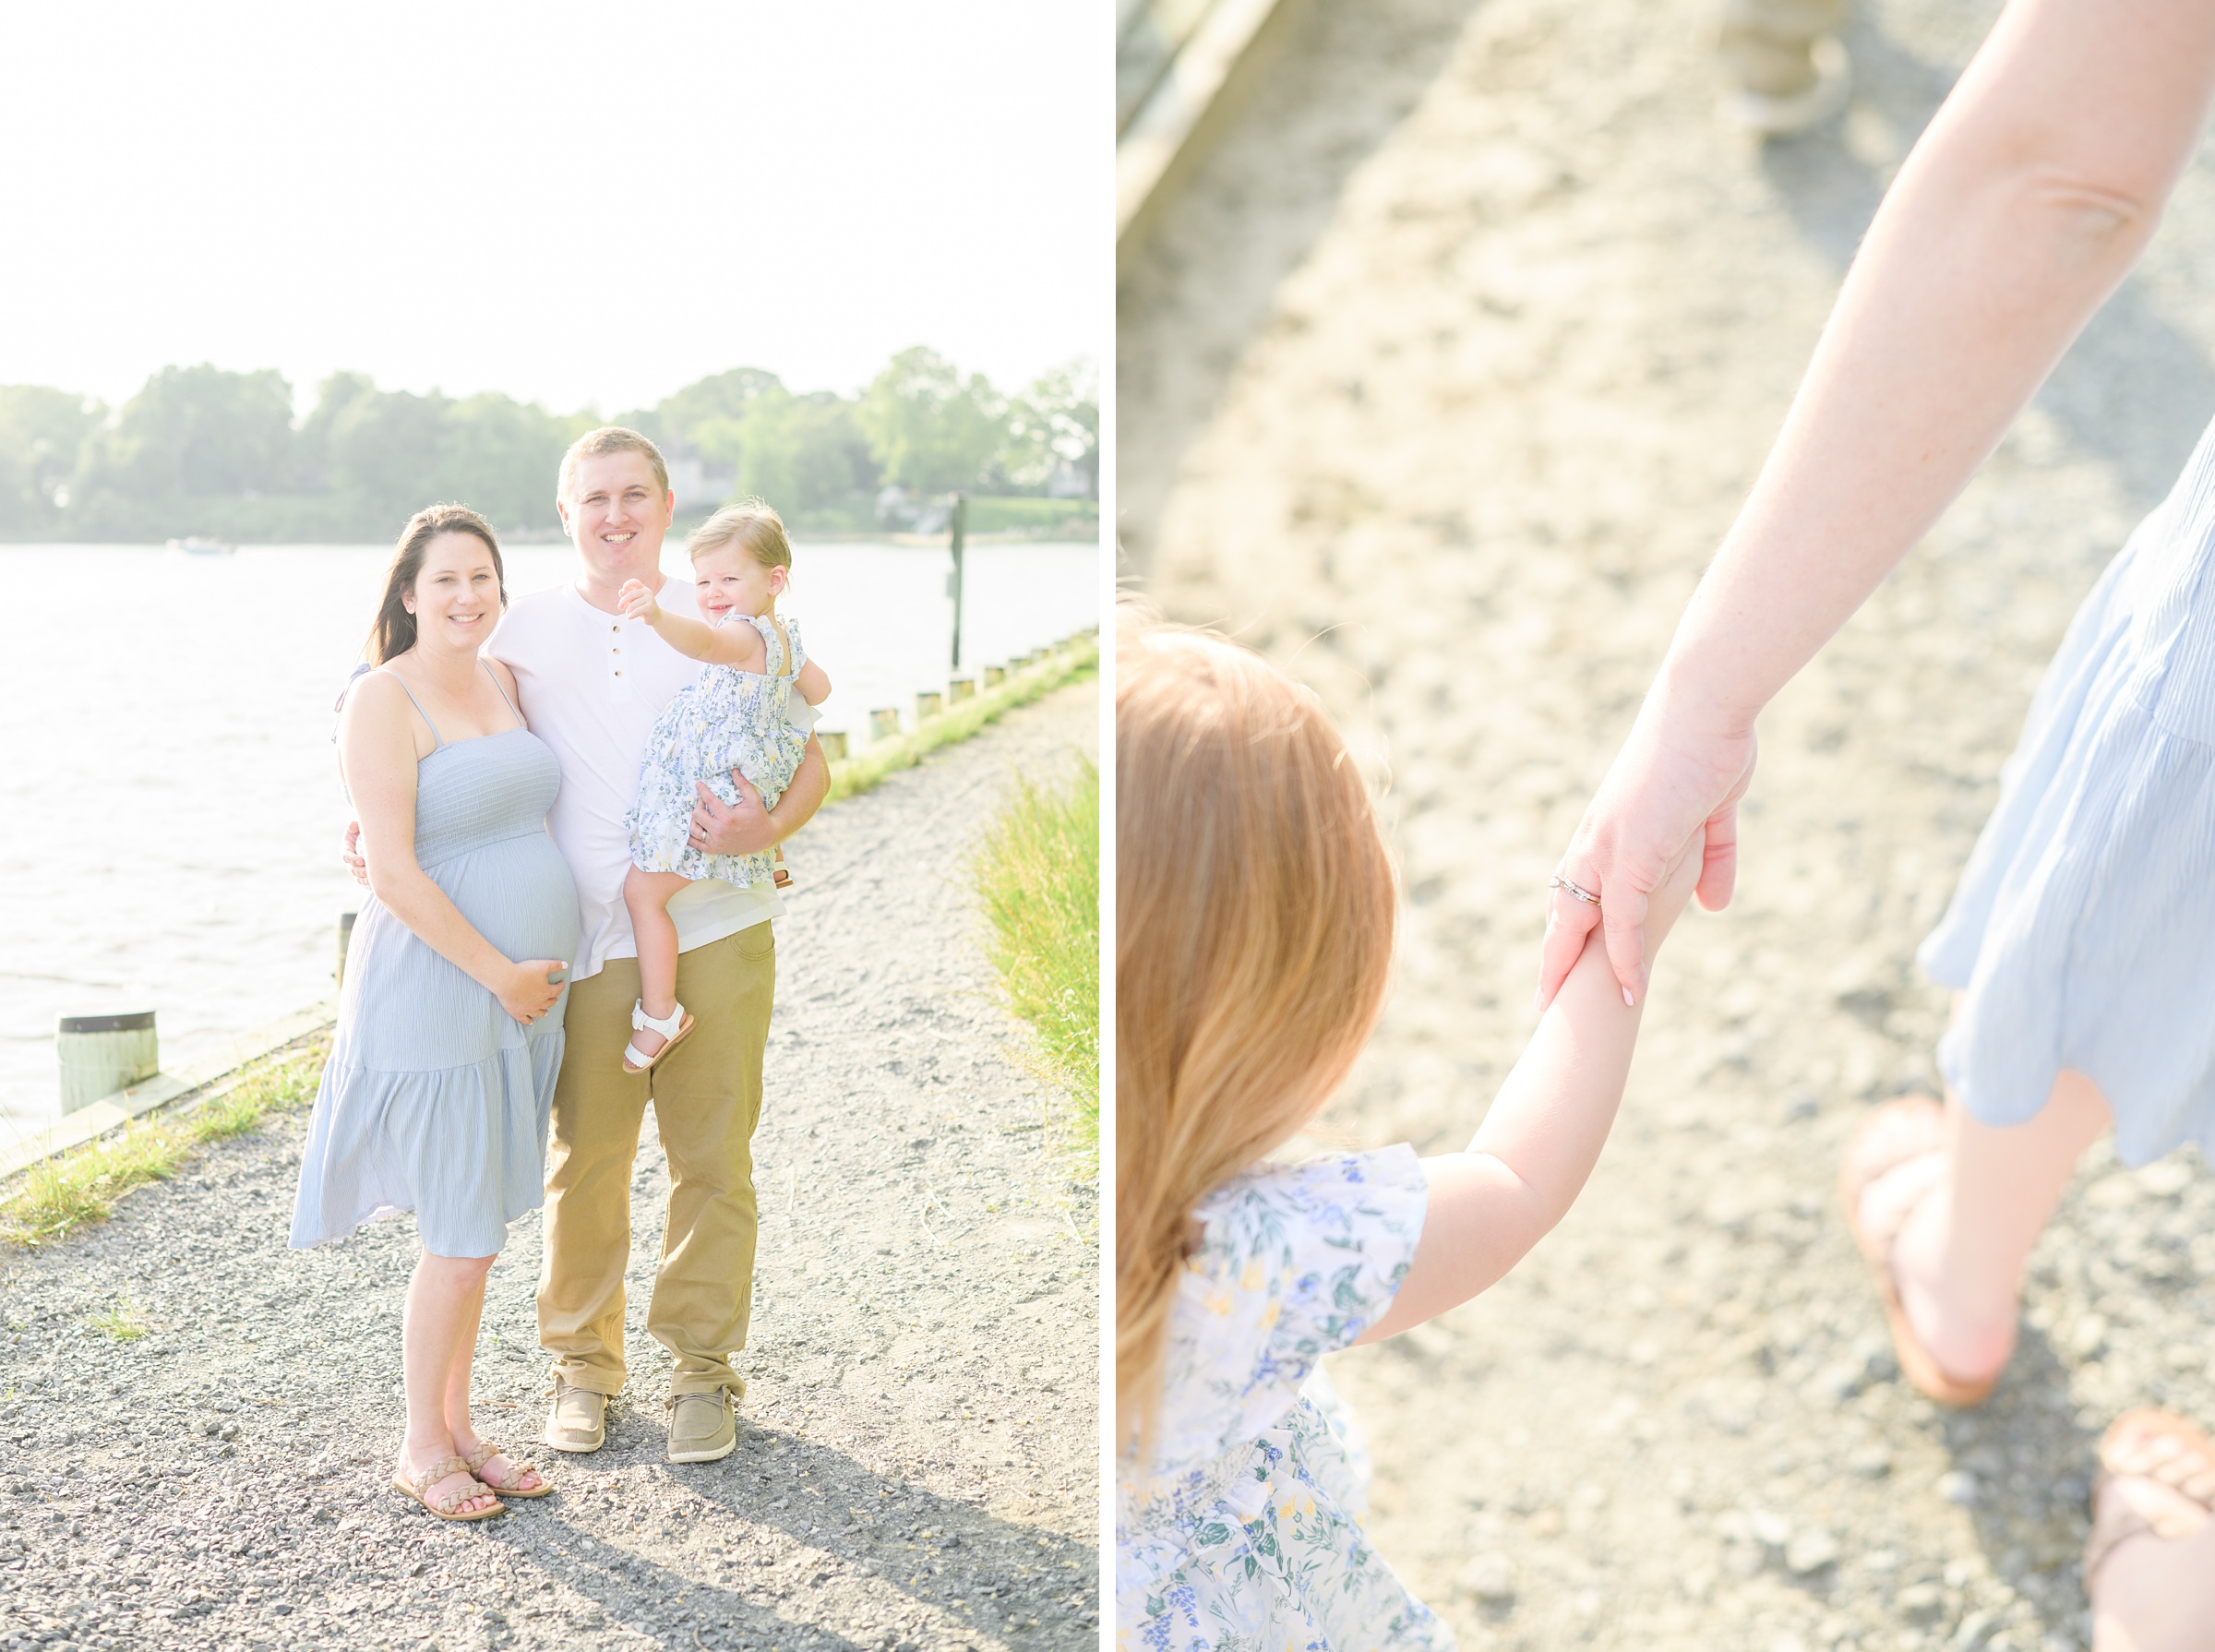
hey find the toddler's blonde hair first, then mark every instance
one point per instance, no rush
(1255, 907)
(751, 525)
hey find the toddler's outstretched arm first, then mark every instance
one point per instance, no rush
(1492, 1203)
(738, 645)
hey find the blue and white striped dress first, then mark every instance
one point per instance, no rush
(435, 1100)
(2083, 932)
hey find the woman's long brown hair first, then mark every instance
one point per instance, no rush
(1254, 915)
(392, 632)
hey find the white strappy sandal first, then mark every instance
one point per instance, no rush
(673, 1030)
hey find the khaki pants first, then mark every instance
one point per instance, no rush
(707, 1099)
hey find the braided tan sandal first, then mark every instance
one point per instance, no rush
(444, 1506)
(2165, 1448)
(1923, 1121)
(484, 1453)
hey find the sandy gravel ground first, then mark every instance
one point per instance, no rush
(1440, 384)
(916, 1460)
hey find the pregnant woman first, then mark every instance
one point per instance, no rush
(2081, 940)
(435, 1098)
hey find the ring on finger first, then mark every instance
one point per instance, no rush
(1586, 895)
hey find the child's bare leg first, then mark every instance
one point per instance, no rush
(1958, 1258)
(648, 894)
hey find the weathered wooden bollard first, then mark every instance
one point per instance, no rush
(345, 937)
(995, 675)
(960, 688)
(102, 1054)
(926, 705)
(834, 742)
(884, 722)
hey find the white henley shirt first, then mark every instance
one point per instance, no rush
(592, 686)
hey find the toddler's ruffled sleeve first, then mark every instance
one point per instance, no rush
(1298, 1260)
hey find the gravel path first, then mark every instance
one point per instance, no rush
(917, 1448)
(1441, 382)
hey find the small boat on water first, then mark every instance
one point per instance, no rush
(197, 546)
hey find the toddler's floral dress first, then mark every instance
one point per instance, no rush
(754, 721)
(1243, 1532)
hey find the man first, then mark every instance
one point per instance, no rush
(591, 684)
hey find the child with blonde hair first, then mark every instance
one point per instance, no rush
(741, 714)
(1251, 962)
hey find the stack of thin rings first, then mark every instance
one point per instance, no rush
(1586, 895)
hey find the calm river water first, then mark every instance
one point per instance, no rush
(169, 802)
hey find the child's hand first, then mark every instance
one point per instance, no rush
(637, 602)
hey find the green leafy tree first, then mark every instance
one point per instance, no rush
(929, 430)
(500, 457)
(192, 434)
(806, 456)
(40, 432)
(1054, 421)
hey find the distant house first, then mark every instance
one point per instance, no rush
(698, 488)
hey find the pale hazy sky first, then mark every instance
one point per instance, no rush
(572, 203)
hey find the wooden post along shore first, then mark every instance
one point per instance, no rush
(834, 742)
(960, 688)
(884, 722)
(926, 705)
(995, 675)
(102, 1054)
(346, 919)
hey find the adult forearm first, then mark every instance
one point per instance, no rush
(434, 920)
(810, 784)
(2023, 207)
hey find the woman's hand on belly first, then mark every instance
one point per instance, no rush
(528, 988)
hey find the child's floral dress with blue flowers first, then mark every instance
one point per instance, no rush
(754, 721)
(1243, 1533)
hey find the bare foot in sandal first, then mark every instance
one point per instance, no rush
(450, 1496)
(1898, 1162)
(496, 1468)
(2150, 1567)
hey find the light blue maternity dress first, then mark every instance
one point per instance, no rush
(2083, 932)
(435, 1100)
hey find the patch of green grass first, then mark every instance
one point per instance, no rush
(853, 775)
(1037, 872)
(121, 1323)
(56, 1196)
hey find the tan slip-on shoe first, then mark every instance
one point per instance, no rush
(577, 1419)
(703, 1426)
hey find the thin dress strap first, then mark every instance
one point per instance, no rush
(496, 683)
(418, 705)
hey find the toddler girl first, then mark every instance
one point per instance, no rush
(1250, 963)
(738, 715)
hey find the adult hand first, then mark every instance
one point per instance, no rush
(636, 601)
(525, 991)
(1673, 791)
(350, 853)
(743, 828)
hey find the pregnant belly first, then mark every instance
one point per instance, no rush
(516, 893)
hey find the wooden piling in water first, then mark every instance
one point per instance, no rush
(927, 704)
(102, 1054)
(834, 742)
(884, 722)
(345, 937)
(995, 675)
(960, 688)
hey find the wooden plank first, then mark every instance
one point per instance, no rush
(1181, 93)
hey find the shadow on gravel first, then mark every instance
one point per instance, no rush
(966, 1559)
(2134, 391)
(1325, 93)
(2031, 1463)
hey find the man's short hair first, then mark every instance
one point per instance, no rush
(611, 438)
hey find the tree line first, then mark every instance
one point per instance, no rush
(200, 450)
